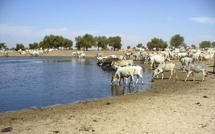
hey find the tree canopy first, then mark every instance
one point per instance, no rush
(34, 45)
(55, 41)
(156, 43)
(128, 47)
(140, 45)
(115, 42)
(205, 44)
(87, 41)
(78, 42)
(101, 42)
(19, 46)
(193, 46)
(3, 46)
(177, 41)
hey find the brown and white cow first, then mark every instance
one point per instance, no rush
(120, 63)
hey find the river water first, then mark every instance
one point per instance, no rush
(31, 82)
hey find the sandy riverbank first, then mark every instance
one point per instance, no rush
(169, 107)
(67, 53)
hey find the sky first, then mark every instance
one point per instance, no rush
(135, 21)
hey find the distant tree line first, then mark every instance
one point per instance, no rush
(156, 43)
(55, 41)
(82, 42)
(88, 41)
(102, 42)
(207, 44)
(176, 41)
(3, 46)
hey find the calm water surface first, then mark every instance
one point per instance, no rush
(44, 81)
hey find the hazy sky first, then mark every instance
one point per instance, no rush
(135, 21)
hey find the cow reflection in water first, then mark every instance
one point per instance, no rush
(117, 90)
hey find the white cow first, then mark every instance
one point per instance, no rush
(23, 53)
(128, 54)
(206, 57)
(122, 57)
(76, 53)
(186, 61)
(4, 53)
(112, 56)
(100, 60)
(82, 55)
(19, 51)
(35, 53)
(137, 55)
(127, 71)
(157, 59)
(195, 57)
(181, 54)
(165, 67)
(194, 68)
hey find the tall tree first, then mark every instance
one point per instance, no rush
(46, 42)
(193, 46)
(88, 41)
(79, 41)
(19, 46)
(156, 43)
(139, 45)
(55, 41)
(3, 46)
(101, 42)
(67, 43)
(115, 42)
(34, 45)
(177, 41)
(205, 44)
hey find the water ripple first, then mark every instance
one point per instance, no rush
(44, 81)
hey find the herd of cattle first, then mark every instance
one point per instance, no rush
(191, 62)
(160, 61)
(33, 53)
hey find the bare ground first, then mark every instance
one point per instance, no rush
(169, 107)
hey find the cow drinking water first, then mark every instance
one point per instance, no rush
(127, 71)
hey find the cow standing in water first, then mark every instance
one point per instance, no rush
(127, 71)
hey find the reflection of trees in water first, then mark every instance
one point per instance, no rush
(117, 90)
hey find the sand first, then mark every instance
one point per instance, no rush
(171, 106)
